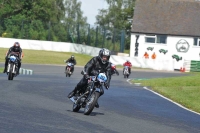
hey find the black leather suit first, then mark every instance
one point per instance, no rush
(19, 53)
(92, 68)
(70, 60)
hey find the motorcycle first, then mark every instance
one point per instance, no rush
(12, 67)
(68, 69)
(114, 70)
(88, 96)
(126, 72)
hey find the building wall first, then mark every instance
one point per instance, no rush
(173, 43)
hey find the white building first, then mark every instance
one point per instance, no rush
(170, 28)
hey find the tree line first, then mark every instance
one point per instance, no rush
(63, 20)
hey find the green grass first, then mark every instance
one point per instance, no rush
(49, 57)
(183, 90)
(1, 69)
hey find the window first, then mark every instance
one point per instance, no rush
(156, 39)
(196, 41)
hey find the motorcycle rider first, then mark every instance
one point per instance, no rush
(100, 62)
(127, 63)
(16, 49)
(71, 60)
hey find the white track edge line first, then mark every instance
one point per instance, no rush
(171, 101)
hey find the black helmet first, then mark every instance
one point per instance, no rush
(72, 57)
(104, 52)
(16, 47)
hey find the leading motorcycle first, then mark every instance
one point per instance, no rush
(87, 97)
(12, 67)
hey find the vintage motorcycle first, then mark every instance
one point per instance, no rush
(68, 69)
(87, 97)
(12, 67)
(126, 72)
(114, 70)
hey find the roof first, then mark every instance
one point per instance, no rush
(171, 17)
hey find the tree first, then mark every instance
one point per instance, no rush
(75, 21)
(117, 16)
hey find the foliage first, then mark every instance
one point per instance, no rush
(63, 21)
(39, 19)
(118, 15)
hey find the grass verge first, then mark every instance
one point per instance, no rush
(183, 90)
(1, 69)
(48, 57)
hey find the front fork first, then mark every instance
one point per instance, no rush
(8, 68)
(13, 71)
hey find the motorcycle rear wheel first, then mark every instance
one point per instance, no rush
(91, 103)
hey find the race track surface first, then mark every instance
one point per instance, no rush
(38, 103)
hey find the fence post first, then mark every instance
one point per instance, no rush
(88, 38)
(96, 42)
(49, 31)
(113, 39)
(104, 36)
(122, 41)
(22, 29)
(78, 35)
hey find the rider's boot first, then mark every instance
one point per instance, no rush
(4, 71)
(5, 68)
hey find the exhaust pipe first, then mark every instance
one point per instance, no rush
(72, 99)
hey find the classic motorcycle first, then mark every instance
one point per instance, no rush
(87, 97)
(68, 69)
(114, 70)
(126, 72)
(12, 67)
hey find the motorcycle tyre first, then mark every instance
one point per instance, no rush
(76, 107)
(92, 105)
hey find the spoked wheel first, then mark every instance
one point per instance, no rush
(66, 72)
(76, 107)
(91, 103)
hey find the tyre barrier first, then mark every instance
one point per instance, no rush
(25, 71)
(190, 66)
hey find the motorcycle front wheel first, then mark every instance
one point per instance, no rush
(10, 74)
(76, 107)
(91, 103)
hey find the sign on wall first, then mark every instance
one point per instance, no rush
(182, 46)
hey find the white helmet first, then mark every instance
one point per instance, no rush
(104, 52)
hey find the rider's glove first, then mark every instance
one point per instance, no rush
(106, 85)
(86, 76)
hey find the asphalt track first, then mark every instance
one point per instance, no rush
(38, 103)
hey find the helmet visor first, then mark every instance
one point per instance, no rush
(104, 58)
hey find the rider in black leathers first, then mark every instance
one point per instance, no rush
(18, 52)
(100, 62)
(71, 60)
